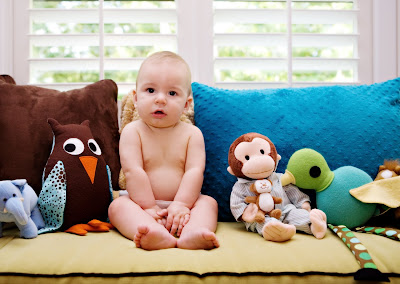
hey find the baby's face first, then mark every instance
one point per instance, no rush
(162, 92)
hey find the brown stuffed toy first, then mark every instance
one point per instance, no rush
(254, 156)
(389, 169)
(264, 200)
(129, 114)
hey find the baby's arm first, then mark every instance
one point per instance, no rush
(137, 182)
(191, 183)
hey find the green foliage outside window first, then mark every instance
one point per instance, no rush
(110, 52)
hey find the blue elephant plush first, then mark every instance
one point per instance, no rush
(18, 204)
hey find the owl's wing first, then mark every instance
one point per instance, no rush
(52, 198)
(109, 182)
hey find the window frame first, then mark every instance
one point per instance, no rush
(379, 39)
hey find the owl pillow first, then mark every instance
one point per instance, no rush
(76, 179)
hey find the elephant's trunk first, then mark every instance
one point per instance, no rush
(15, 207)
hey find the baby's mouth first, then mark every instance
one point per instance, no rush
(159, 114)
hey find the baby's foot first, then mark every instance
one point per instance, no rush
(150, 238)
(198, 239)
(318, 223)
(278, 232)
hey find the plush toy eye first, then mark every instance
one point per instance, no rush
(262, 151)
(5, 199)
(14, 195)
(315, 172)
(73, 146)
(94, 147)
(247, 157)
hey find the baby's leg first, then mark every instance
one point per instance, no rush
(199, 232)
(318, 223)
(135, 224)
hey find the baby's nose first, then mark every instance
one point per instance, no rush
(161, 98)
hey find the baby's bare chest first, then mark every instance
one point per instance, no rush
(164, 152)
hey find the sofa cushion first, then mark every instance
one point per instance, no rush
(348, 125)
(243, 256)
(26, 137)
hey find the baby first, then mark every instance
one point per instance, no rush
(163, 160)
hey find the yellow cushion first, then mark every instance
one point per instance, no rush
(241, 253)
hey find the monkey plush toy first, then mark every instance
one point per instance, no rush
(253, 157)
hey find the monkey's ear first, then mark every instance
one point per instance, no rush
(278, 157)
(230, 171)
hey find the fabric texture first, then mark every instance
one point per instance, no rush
(26, 137)
(348, 125)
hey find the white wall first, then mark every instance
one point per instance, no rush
(385, 39)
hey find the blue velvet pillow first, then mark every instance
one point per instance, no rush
(348, 125)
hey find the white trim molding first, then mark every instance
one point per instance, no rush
(6, 37)
(385, 41)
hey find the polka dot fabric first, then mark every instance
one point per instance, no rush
(349, 125)
(52, 199)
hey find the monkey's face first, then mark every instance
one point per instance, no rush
(256, 159)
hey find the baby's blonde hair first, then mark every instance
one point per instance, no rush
(164, 55)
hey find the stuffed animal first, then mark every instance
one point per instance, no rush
(389, 169)
(253, 157)
(264, 200)
(129, 114)
(77, 181)
(18, 204)
(308, 169)
(385, 191)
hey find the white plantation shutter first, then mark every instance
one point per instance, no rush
(232, 44)
(260, 44)
(79, 42)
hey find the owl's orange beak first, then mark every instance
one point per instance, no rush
(90, 164)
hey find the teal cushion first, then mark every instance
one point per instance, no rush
(349, 125)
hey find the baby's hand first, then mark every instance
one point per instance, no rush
(178, 217)
(155, 213)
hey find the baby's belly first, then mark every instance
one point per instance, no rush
(165, 182)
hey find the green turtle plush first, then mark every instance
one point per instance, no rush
(308, 169)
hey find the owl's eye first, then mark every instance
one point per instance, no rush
(94, 147)
(73, 146)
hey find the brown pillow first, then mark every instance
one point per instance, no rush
(26, 137)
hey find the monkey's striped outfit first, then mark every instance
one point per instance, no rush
(292, 199)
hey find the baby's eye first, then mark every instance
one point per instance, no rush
(150, 90)
(172, 93)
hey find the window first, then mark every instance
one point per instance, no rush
(86, 41)
(66, 44)
(285, 43)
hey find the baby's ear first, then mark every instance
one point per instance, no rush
(133, 92)
(189, 101)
